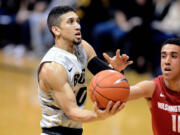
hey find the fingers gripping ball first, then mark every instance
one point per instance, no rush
(109, 85)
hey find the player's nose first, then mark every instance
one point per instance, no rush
(78, 26)
(168, 60)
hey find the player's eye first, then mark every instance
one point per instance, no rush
(70, 20)
(78, 20)
(163, 56)
(174, 56)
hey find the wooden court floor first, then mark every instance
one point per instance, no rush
(20, 109)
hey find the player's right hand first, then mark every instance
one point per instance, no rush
(109, 110)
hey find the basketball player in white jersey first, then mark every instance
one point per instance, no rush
(61, 76)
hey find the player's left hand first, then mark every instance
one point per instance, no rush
(118, 62)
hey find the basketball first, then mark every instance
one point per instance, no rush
(108, 85)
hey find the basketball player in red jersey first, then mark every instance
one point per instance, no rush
(163, 92)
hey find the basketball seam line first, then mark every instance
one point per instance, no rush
(92, 92)
(112, 87)
(96, 85)
(94, 89)
(105, 77)
(104, 96)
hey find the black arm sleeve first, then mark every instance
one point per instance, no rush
(96, 65)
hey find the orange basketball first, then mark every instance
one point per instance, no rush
(108, 85)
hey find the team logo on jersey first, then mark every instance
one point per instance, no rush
(79, 78)
(70, 69)
(162, 95)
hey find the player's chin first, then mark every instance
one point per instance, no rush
(167, 76)
(77, 41)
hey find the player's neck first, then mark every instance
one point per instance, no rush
(64, 45)
(173, 84)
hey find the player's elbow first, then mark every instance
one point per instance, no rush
(81, 115)
(74, 115)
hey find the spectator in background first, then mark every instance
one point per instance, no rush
(170, 24)
(161, 8)
(92, 12)
(8, 10)
(166, 25)
(41, 37)
(131, 19)
(17, 31)
(27, 30)
(137, 43)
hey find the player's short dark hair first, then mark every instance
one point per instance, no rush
(55, 13)
(175, 41)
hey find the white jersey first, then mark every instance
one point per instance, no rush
(75, 65)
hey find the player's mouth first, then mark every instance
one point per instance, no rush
(78, 35)
(167, 69)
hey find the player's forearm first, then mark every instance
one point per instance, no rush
(133, 97)
(82, 115)
(136, 93)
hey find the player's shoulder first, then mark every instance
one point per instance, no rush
(88, 49)
(85, 44)
(52, 69)
(51, 76)
(148, 82)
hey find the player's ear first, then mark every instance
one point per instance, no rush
(56, 30)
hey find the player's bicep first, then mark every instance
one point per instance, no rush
(65, 98)
(55, 78)
(143, 89)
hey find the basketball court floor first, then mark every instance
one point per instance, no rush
(20, 109)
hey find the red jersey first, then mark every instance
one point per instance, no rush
(165, 109)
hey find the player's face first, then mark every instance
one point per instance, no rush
(70, 28)
(170, 61)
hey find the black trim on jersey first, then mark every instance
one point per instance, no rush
(62, 131)
(96, 65)
(53, 107)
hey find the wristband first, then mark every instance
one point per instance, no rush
(96, 65)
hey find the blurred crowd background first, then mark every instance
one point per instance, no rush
(137, 27)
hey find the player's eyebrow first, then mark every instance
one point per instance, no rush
(173, 52)
(72, 17)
